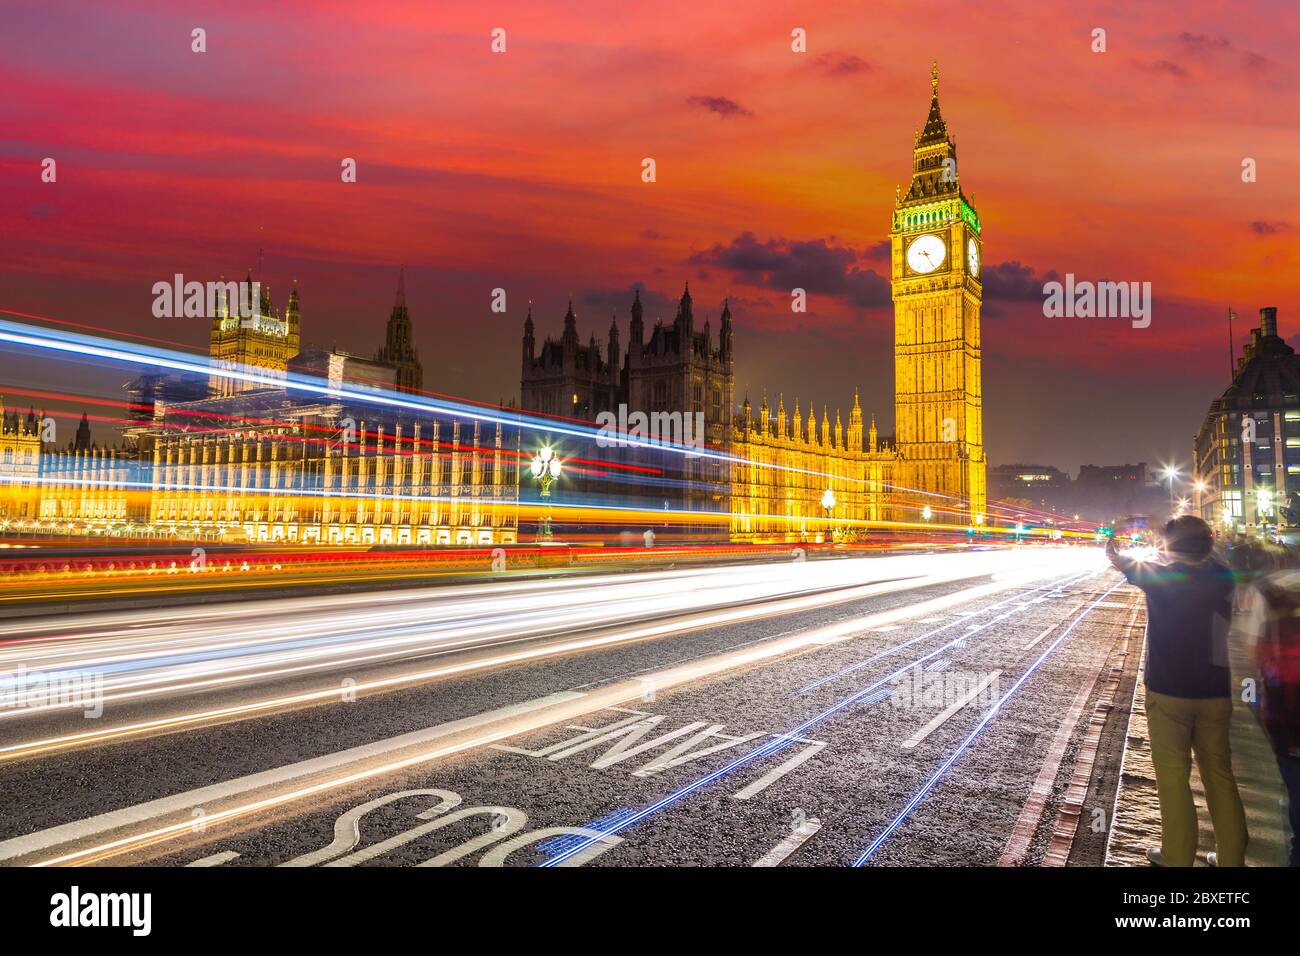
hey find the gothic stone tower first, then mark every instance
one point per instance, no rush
(399, 350)
(264, 342)
(936, 254)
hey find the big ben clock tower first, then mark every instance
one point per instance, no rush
(936, 253)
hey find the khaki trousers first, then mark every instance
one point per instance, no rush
(1179, 727)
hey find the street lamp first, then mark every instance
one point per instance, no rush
(979, 518)
(828, 505)
(546, 468)
(1263, 503)
(1171, 473)
(926, 513)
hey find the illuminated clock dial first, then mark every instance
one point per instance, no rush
(926, 253)
(973, 257)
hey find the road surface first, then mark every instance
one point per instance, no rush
(886, 710)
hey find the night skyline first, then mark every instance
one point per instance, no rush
(853, 440)
(774, 170)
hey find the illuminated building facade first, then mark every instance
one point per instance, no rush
(258, 463)
(20, 458)
(671, 369)
(936, 252)
(265, 466)
(265, 341)
(1246, 454)
(779, 493)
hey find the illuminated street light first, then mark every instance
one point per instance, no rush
(828, 506)
(546, 468)
(1171, 473)
(926, 513)
(979, 518)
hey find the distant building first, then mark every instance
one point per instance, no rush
(1247, 451)
(1103, 493)
(1045, 487)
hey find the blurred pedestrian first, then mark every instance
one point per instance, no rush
(1189, 690)
(1276, 633)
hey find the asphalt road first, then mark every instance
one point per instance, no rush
(882, 710)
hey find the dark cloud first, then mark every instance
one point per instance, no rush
(1256, 62)
(1013, 282)
(602, 303)
(841, 64)
(879, 252)
(1202, 44)
(1167, 67)
(1211, 48)
(818, 266)
(1262, 228)
(867, 289)
(727, 109)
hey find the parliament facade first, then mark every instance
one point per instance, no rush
(779, 476)
(242, 455)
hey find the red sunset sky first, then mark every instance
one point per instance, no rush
(775, 169)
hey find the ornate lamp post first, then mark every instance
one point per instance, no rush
(546, 468)
(828, 506)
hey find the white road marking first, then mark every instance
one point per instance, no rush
(952, 708)
(216, 859)
(777, 855)
(80, 829)
(1046, 631)
(776, 773)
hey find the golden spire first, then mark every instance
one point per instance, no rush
(934, 77)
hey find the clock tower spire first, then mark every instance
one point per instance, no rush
(936, 252)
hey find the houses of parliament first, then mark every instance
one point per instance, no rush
(223, 457)
(241, 455)
(773, 466)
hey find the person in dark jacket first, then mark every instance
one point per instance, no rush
(1189, 690)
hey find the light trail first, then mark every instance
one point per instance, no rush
(992, 712)
(600, 699)
(72, 343)
(548, 613)
(764, 750)
(959, 622)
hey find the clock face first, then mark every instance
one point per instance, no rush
(926, 253)
(973, 257)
